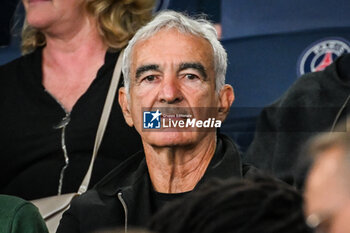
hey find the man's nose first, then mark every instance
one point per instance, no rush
(170, 91)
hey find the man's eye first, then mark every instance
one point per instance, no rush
(150, 78)
(191, 76)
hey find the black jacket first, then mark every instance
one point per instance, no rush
(127, 190)
(312, 105)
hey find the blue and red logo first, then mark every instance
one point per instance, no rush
(321, 54)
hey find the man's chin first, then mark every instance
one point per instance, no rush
(171, 139)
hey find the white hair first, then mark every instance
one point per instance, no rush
(186, 25)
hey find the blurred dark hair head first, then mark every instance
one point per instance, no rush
(257, 205)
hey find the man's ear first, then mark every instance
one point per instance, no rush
(226, 98)
(123, 102)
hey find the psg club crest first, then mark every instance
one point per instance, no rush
(321, 54)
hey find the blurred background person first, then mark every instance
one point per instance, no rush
(11, 19)
(327, 190)
(52, 97)
(315, 103)
(20, 216)
(255, 205)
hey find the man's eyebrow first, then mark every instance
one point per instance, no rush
(142, 69)
(194, 65)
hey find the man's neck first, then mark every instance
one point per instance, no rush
(179, 169)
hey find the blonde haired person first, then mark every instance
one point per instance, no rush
(52, 97)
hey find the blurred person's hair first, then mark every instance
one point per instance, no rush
(117, 22)
(313, 148)
(257, 205)
(339, 138)
(186, 25)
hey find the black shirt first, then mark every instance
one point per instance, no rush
(158, 200)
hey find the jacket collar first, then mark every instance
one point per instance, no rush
(225, 163)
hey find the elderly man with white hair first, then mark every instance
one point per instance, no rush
(172, 64)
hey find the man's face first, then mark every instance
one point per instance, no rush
(327, 195)
(171, 70)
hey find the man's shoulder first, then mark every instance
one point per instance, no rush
(120, 177)
(247, 170)
(91, 212)
(229, 143)
(100, 206)
(126, 174)
(92, 200)
(227, 156)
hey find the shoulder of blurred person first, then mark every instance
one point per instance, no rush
(20, 216)
(308, 107)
